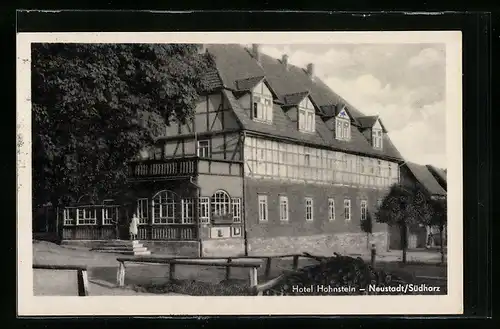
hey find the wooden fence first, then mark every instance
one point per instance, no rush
(81, 275)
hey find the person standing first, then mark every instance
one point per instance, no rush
(134, 222)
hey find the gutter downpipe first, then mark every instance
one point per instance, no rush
(245, 236)
(198, 190)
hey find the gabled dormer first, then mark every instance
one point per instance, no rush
(261, 97)
(342, 123)
(304, 110)
(373, 129)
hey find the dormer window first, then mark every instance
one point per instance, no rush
(377, 138)
(262, 105)
(307, 116)
(343, 126)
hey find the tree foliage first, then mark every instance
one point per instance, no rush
(405, 206)
(95, 106)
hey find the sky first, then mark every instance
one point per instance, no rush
(403, 83)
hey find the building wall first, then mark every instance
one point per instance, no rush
(319, 234)
(231, 243)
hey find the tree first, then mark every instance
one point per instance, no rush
(439, 219)
(95, 106)
(404, 207)
(367, 227)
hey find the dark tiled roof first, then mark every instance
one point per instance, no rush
(439, 174)
(248, 83)
(235, 63)
(212, 79)
(367, 121)
(425, 177)
(295, 99)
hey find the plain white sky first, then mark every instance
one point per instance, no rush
(403, 83)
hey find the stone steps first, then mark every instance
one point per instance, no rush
(123, 247)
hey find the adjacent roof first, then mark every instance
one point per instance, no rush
(248, 83)
(235, 64)
(439, 174)
(425, 177)
(368, 122)
(296, 98)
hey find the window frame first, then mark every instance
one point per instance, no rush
(263, 208)
(84, 209)
(344, 132)
(204, 209)
(142, 220)
(206, 149)
(170, 206)
(187, 211)
(236, 209)
(220, 200)
(347, 206)
(284, 208)
(331, 209)
(309, 209)
(363, 206)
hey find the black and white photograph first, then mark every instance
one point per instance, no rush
(299, 165)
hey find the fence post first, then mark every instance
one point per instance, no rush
(253, 277)
(268, 267)
(83, 282)
(373, 255)
(121, 274)
(171, 272)
(295, 261)
(228, 269)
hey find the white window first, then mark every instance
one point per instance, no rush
(347, 209)
(109, 215)
(142, 210)
(69, 216)
(283, 208)
(236, 204)
(164, 208)
(204, 209)
(263, 214)
(377, 138)
(364, 206)
(86, 216)
(331, 209)
(187, 211)
(309, 209)
(221, 203)
(343, 129)
(203, 148)
(307, 116)
(307, 159)
(262, 108)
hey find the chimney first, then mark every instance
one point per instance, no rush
(284, 60)
(310, 70)
(256, 51)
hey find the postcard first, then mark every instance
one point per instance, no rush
(239, 173)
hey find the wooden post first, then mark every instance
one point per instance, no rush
(83, 283)
(295, 262)
(268, 267)
(228, 269)
(373, 255)
(120, 278)
(253, 277)
(171, 272)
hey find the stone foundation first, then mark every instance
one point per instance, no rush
(167, 248)
(321, 244)
(223, 247)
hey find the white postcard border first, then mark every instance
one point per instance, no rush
(183, 305)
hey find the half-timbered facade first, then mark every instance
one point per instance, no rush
(272, 161)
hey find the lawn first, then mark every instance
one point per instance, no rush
(190, 280)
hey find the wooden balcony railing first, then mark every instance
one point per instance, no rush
(163, 168)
